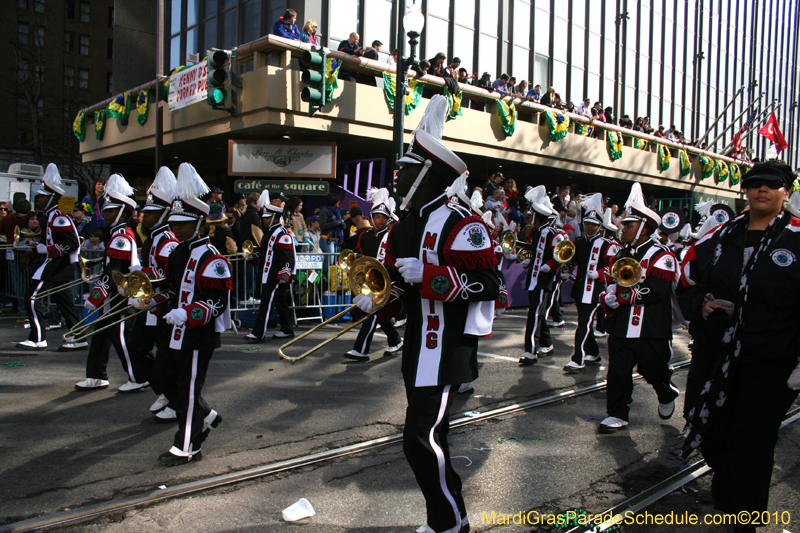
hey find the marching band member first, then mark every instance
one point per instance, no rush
(641, 326)
(370, 243)
(277, 266)
(540, 276)
(441, 255)
(60, 246)
(120, 255)
(148, 330)
(591, 255)
(200, 283)
(609, 232)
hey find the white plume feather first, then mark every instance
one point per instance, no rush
(636, 197)
(686, 231)
(592, 203)
(190, 184)
(458, 189)
(487, 217)
(794, 204)
(164, 181)
(435, 116)
(512, 226)
(116, 184)
(377, 196)
(704, 208)
(392, 204)
(476, 201)
(52, 176)
(535, 193)
(263, 200)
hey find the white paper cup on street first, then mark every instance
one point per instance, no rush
(298, 510)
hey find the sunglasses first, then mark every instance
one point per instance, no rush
(758, 183)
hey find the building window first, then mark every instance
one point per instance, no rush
(84, 47)
(109, 82)
(66, 112)
(22, 138)
(22, 105)
(111, 49)
(40, 106)
(85, 11)
(69, 41)
(22, 70)
(38, 72)
(69, 76)
(83, 78)
(38, 6)
(110, 17)
(22, 33)
(69, 9)
(38, 36)
(22, 4)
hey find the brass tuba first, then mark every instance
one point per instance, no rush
(626, 272)
(564, 252)
(510, 245)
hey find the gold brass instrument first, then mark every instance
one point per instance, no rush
(347, 258)
(564, 253)
(84, 265)
(136, 286)
(510, 245)
(247, 249)
(626, 272)
(20, 234)
(367, 276)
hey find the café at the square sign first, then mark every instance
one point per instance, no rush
(279, 158)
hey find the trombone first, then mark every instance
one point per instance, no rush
(367, 276)
(136, 286)
(84, 265)
(510, 245)
(18, 234)
(626, 272)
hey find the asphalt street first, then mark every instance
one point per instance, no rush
(63, 449)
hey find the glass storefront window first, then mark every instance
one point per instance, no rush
(487, 56)
(175, 17)
(436, 35)
(191, 12)
(489, 17)
(521, 66)
(541, 34)
(560, 78)
(463, 45)
(541, 68)
(594, 53)
(465, 13)
(175, 52)
(522, 23)
(560, 28)
(209, 34)
(252, 21)
(439, 8)
(229, 25)
(191, 42)
(343, 19)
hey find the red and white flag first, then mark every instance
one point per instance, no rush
(772, 131)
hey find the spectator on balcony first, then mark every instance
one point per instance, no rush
(660, 133)
(597, 109)
(535, 94)
(585, 109)
(463, 76)
(625, 122)
(638, 125)
(452, 70)
(510, 188)
(437, 67)
(352, 47)
(646, 125)
(522, 89)
(392, 60)
(494, 183)
(285, 26)
(370, 53)
(558, 103)
(500, 85)
(549, 97)
(497, 202)
(570, 107)
(309, 33)
(485, 82)
(512, 85)
(671, 133)
(609, 114)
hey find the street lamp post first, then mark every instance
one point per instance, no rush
(413, 22)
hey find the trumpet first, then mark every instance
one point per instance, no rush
(510, 245)
(84, 265)
(626, 272)
(367, 276)
(564, 253)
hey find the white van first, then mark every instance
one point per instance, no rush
(23, 180)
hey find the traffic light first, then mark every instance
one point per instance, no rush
(221, 81)
(314, 63)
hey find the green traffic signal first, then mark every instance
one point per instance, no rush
(218, 96)
(314, 63)
(218, 62)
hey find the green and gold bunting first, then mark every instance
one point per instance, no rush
(721, 171)
(735, 175)
(583, 129)
(639, 144)
(558, 124)
(165, 87)
(508, 116)
(119, 108)
(686, 164)
(663, 157)
(331, 77)
(79, 126)
(99, 124)
(707, 165)
(614, 143)
(142, 106)
(412, 99)
(455, 103)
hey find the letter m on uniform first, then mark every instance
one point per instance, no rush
(429, 243)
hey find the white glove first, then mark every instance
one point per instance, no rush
(176, 317)
(137, 305)
(411, 269)
(794, 378)
(42, 249)
(545, 268)
(510, 257)
(611, 300)
(525, 264)
(121, 291)
(592, 274)
(612, 288)
(565, 275)
(498, 312)
(134, 268)
(89, 306)
(364, 303)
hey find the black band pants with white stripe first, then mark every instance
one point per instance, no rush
(555, 313)
(142, 340)
(537, 332)
(138, 369)
(425, 447)
(652, 357)
(585, 343)
(273, 294)
(62, 299)
(367, 331)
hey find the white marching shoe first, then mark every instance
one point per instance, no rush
(70, 345)
(612, 424)
(167, 415)
(355, 355)
(160, 403)
(92, 384)
(132, 386)
(32, 345)
(391, 350)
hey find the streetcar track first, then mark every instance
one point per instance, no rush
(85, 513)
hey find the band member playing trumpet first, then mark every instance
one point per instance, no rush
(120, 255)
(640, 304)
(60, 246)
(276, 267)
(198, 300)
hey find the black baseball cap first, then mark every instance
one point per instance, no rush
(217, 190)
(770, 171)
(355, 211)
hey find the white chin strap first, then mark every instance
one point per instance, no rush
(413, 189)
(196, 229)
(639, 232)
(116, 220)
(163, 216)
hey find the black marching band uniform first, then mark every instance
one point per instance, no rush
(276, 266)
(60, 245)
(641, 326)
(121, 255)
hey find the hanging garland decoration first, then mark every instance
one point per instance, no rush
(721, 171)
(735, 175)
(79, 126)
(142, 106)
(412, 99)
(119, 108)
(686, 164)
(663, 157)
(508, 116)
(331, 77)
(455, 103)
(708, 166)
(614, 143)
(99, 124)
(558, 124)
(583, 129)
(639, 144)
